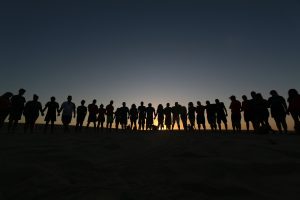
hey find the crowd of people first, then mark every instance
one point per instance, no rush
(255, 112)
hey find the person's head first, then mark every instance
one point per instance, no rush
(52, 99)
(124, 104)
(176, 104)
(253, 94)
(101, 105)
(149, 104)
(142, 103)
(160, 106)
(191, 104)
(22, 91)
(217, 101)
(207, 103)
(82, 102)
(94, 101)
(198, 103)
(232, 98)
(7, 95)
(259, 96)
(69, 98)
(168, 104)
(273, 93)
(293, 93)
(133, 106)
(35, 97)
(111, 102)
(244, 97)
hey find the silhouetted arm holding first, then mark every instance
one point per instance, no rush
(225, 110)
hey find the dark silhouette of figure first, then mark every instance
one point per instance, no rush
(253, 111)
(150, 114)
(236, 117)
(68, 108)
(183, 116)
(142, 116)
(191, 114)
(261, 107)
(278, 110)
(221, 114)
(110, 115)
(246, 108)
(93, 111)
(52, 108)
(81, 113)
(31, 113)
(168, 116)
(200, 115)
(5, 106)
(124, 112)
(17, 107)
(101, 117)
(176, 112)
(117, 118)
(160, 116)
(294, 107)
(211, 115)
(133, 115)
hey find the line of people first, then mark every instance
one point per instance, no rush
(255, 111)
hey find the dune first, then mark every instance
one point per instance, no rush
(148, 165)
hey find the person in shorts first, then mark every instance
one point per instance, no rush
(109, 115)
(17, 108)
(68, 109)
(221, 114)
(81, 113)
(200, 109)
(101, 117)
(52, 108)
(93, 111)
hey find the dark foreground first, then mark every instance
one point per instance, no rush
(141, 166)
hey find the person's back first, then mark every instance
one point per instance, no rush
(150, 111)
(32, 109)
(133, 112)
(142, 116)
(142, 111)
(168, 116)
(101, 113)
(93, 109)
(81, 112)
(183, 116)
(200, 109)
(52, 108)
(277, 105)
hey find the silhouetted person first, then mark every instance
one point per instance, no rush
(5, 107)
(235, 107)
(221, 114)
(160, 116)
(211, 115)
(183, 116)
(254, 115)
(294, 107)
(262, 112)
(117, 118)
(142, 116)
(278, 108)
(110, 115)
(17, 107)
(176, 112)
(246, 108)
(124, 112)
(101, 117)
(150, 113)
(31, 113)
(81, 113)
(200, 109)
(93, 111)
(133, 115)
(52, 108)
(68, 109)
(191, 114)
(168, 116)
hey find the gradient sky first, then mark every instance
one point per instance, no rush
(155, 51)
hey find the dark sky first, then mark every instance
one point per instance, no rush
(156, 51)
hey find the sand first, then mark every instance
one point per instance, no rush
(148, 165)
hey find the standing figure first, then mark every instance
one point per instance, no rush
(31, 113)
(101, 117)
(294, 107)
(124, 112)
(235, 107)
(261, 107)
(133, 113)
(254, 113)
(142, 116)
(5, 106)
(110, 115)
(176, 112)
(221, 114)
(93, 111)
(168, 116)
(183, 116)
(211, 115)
(68, 108)
(150, 114)
(247, 111)
(81, 113)
(117, 118)
(160, 116)
(278, 110)
(53, 108)
(191, 114)
(200, 116)
(16, 111)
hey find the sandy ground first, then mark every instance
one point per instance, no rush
(141, 166)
